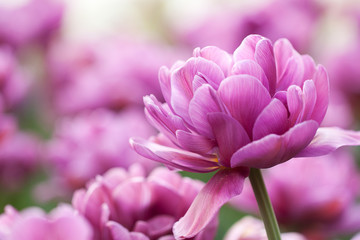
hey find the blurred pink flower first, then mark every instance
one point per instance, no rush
(316, 195)
(110, 73)
(250, 228)
(62, 223)
(277, 19)
(19, 154)
(255, 109)
(356, 237)
(13, 82)
(32, 21)
(128, 205)
(92, 142)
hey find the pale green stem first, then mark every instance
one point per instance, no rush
(265, 207)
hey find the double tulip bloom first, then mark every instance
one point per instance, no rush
(256, 108)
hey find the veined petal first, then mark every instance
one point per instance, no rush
(182, 78)
(310, 98)
(293, 73)
(224, 185)
(295, 103)
(328, 140)
(204, 101)
(283, 50)
(194, 142)
(251, 68)
(229, 134)
(172, 157)
(246, 50)
(274, 149)
(245, 97)
(264, 56)
(273, 119)
(118, 232)
(217, 55)
(321, 81)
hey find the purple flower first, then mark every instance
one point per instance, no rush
(251, 228)
(127, 205)
(13, 82)
(19, 154)
(256, 108)
(63, 223)
(92, 142)
(316, 195)
(107, 73)
(32, 21)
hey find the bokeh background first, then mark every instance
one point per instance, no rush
(73, 74)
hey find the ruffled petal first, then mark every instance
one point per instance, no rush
(273, 119)
(204, 101)
(246, 50)
(274, 149)
(217, 55)
(283, 50)
(321, 81)
(245, 97)
(172, 157)
(251, 68)
(229, 134)
(293, 73)
(310, 98)
(182, 78)
(328, 140)
(264, 56)
(224, 185)
(194, 142)
(294, 97)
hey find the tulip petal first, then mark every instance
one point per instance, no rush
(293, 73)
(251, 68)
(321, 81)
(245, 97)
(274, 149)
(229, 134)
(246, 50)
(328, 140)
(204, 101)
(295, 103)
(172, 157)
(273, 119)
(164, 80)
(224, 185)
(194, 142)
(216, 55)
(309, 91)
(283, 50)
(182, 78)
(264, 56)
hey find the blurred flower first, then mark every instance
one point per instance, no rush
(33, 21)
(255, 109)
(62, 223)
(110, 73)
(19, 154)
(249, 228)
(93, 142)
(13, 82)
(128, 205)
(277, 19)
(315, 196)
(356, 237)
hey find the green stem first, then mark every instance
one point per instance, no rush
(266, 209)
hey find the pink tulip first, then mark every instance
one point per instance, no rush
(315, 195)
(256, 108)
(128, 205)
(93, 142)
(30, 22)
(13, 82)
(34, 224)
(19, 154)
(109, 73)
(250, 228)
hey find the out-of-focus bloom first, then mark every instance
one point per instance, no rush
(315, 196)
(19, 154)
(32, 21)
(128, 205)
(251, 228)
(93, 142)
(13, 83)
(110, 73)
(63, 223)
(278, 19)
(356, 237)
(256, 108)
